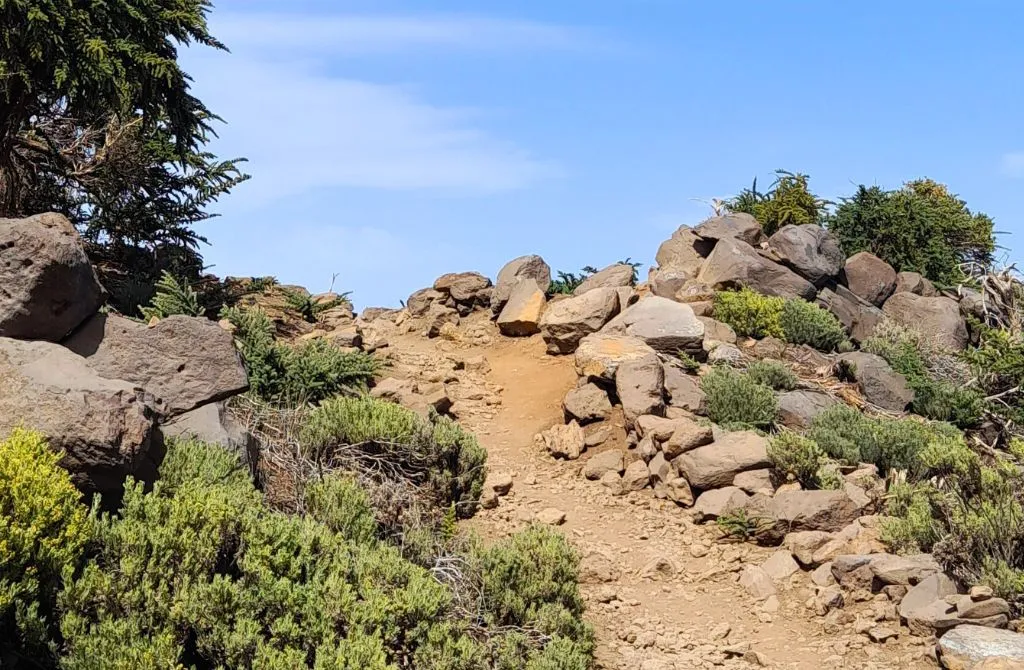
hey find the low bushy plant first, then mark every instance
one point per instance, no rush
(801, 459)
(805, 323)
(736, 398)
(749, 313)
(773, 374)
(437, 454)
(343, 506)
(173, 296)
(788, 201)
(306, 373)
(43, 531)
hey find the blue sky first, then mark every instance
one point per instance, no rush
(391, 142)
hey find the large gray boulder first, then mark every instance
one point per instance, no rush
(869, 277)
(640, 385)
(879, 383)
(525, 267)
(938, 318)
(970, 647)
(47, 286)
(716, 465)
(600, 355)
(566, 322)
(858, 316)
(183, 361)
(667, 326)
(743, 227)
(618, 275)
(735, 264)
(106, 428)
(810, 251)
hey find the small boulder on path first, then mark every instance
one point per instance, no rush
(981, 648)
(600, 464)
(564, 441)
(551, 516)
(718, 502)
(587, 403)
(600, 355)
(636, 477)
(757, 582)
(525, 267)
(521, 315)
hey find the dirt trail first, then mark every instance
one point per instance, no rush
(661, 592)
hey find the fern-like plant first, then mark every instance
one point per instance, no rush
(172, 297)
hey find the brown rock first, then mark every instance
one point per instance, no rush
(879, 383)
(755, 481)
(640, 385)
(665, 325)
(976, 647)
(810, 251)
(798, 408)
(869, 277)
(104, 427)
(735, 264)
(757, 582)
(716, 331)
(564, 441)
(587, 403)
(912, 282)
(684, 391)
(437, 316)
(718, 502)
(686, 436)
(731, 226)
(606, 461)
(566, 322)
(684, 253)
(613, 276)
(802, 544)
(813, 510)
(183, 361)
(420, 301)
(525, 267)
(521, 314)
(600, 355)
(636, 476)
(716, 465)
(939, 318)
(465, 287)
(48, 284)
(858, 316)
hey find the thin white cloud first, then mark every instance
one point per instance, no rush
(352, 34)
(1013, 164)
(304, 125)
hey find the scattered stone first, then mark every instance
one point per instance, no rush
(716, 465)
(716, 332)
(827, 599)
(757, 582)
(521, 315)
(566, 322)
(967, 647)
(661, 568)
(780, 565)
(636, 477)
(734, 264)
(104, 427)
(613, 482)
(661, 471)
(587, 403)
(769, 347)
(869, 277)
(981, 592)
(49, 287)
(688, 435)
(525, 267)
(599, 356)
(810, 251)
(419, 302)
(903, 570)
(564, 441)
(822, 575)
(916, 605)
(798, 408)
(967, 608)
(551, 517)
(718, 502)
(678, 491)
(728, 354)
(606, 461)
(640, 385)
(499, 482)
(438, 316)
(213, 424)
(880, 634)
(804, 543)
(813, 510)
(184, 361)
(596, 435)
(467, 290)
(879, 383)
(938, 317)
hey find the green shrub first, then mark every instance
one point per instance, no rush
(172, 297)
(741, 526)
(920, 227)
(438, 455)
(43, 531)
(954, 402)
(749, 313)
(773, 374)
(806, 323)
(309, 307)
(734, 397)
(308, 372)
(788, 201)
(802, 459)
(343, 506)
(688, 362)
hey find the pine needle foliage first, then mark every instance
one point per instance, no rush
(789, 201)
(173, 296)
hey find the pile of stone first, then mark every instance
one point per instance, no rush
(105, 390)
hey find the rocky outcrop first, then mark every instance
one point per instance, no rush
(465, 291)
(879, 383)
(683, 253)
(419, 302)
(664, 325)
(640, 385)
(522, 311)
(869, 277)
(47, 286)
(614, 276)
(183, 361)
(600, 355)
(810, 251)
(912, 282)
(104, 427)
(566, 322)
(938, 318)
(735, 264)
(858, 316)
(525, 267)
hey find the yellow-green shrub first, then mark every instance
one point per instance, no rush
(43, 530)
(749, 313)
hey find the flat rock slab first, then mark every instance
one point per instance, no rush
(717, 464)
(665, 325)
(600, 355)
(967, 647)
(183, 361)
